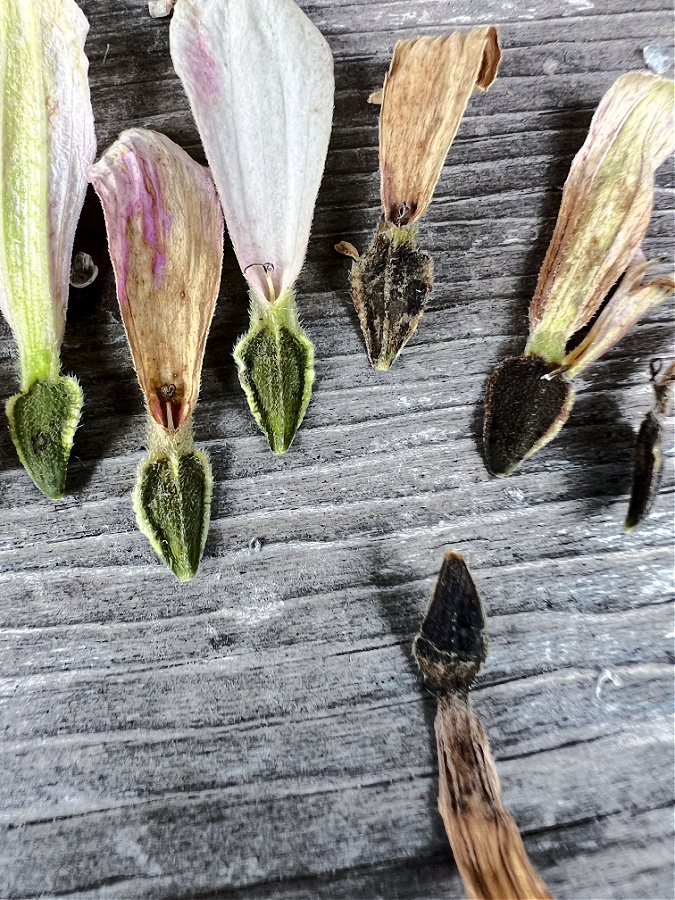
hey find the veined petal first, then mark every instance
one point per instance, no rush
(72, 141)
(165, 232)
(630, 302)
(606, 206)
(426, 91)
(46, 143)
(259, 77)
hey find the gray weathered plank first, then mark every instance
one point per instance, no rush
(262, 732)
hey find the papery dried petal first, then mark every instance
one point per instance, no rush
(605, 210)
(259, 76)
(165, 232)
(630, 302)
(425, 93)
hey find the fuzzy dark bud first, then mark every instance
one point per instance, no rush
(452, 643)
(526, 404)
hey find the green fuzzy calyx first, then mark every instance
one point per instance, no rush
(275, 361)
(172, 501)
(42, 423)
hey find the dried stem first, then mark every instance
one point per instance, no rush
(485, 840)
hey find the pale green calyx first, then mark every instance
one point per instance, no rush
(172, 498)
(275, 361)
(46, 142)
(42, 423)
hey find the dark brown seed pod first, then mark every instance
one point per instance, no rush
(486, 843)
(390, 285)
(527, 402)
(647, 468)
(648, 459)
(452, 643)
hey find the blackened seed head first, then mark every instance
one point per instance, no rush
(526, 404)
(452, 643)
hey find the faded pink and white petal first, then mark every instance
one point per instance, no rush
(259, 77)
(605, 210)
(165, 233)
(71, 137)
(632, 299)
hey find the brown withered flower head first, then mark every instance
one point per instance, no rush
(605, 211)
(425, 93)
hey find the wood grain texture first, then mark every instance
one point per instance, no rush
(262, 732)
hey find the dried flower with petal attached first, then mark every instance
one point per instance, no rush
(648, 458)
(165, 234)
(605, 211)
(46, 143)
(425, 93)
(450, 649)
(259, 77)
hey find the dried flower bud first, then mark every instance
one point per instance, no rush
(259, 77)
(425, 93)
(165, 233)
(46, 143)
(648, 459)
(450, 649)
(605, 211)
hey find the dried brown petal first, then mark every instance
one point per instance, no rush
(630, 302)
(165, 231)
(485, 840)
(425, 93)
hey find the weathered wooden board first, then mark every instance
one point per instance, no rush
(262, 732)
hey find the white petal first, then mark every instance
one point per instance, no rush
(259, 77)
(72, 142)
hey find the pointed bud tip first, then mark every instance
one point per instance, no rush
(275, 361)
(172, 502)
(526, 405)
(452, 643)
(42, 423)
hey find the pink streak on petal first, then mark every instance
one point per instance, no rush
(206, 71)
